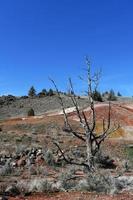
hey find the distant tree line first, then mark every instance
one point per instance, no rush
(32, 92)
(97, 95)
(108, 95)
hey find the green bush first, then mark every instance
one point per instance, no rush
(31, 112)
(49, 158)
(101, 183)
(67, 179)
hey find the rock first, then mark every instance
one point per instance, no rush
(12, 191)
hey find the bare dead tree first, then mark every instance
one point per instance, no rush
(92, 139)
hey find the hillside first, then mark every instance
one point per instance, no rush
(11, 106)
(31, 139)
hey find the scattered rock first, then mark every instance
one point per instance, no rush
(12, 191)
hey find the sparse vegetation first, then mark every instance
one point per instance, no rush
(98, 182)
(50, 158)
(68, 179)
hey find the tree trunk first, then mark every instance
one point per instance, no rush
(89, 154)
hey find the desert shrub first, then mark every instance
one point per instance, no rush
(20, 148)
(98, 182)
(6, 170)
(46, 186)
(129, 153)
(18, 139)
(49, 158)
(68, 179)
(37, 185)
(40, 185)
(124, 182)
(31, 112)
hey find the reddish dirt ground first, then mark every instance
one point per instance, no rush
(119, 113)
(75, 196)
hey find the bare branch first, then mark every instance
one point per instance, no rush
(70, 161)
(62, 104)
(75, 133)
(86, 122)
(68, 127)
(75, 103)
(105, 135)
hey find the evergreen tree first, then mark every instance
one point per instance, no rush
(105, 93)
(32, 92)
(119, 94)
(112, 96)
(97, 96)
(43, 93)
(50, 92)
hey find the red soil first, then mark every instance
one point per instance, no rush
(75, 196)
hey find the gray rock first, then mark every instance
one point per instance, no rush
(12, 191)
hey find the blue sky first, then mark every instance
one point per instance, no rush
(50, 38)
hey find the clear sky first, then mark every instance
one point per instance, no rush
(50, 38)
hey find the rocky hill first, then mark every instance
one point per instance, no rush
(15, 107)
(11, 106)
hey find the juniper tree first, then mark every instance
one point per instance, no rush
(32, 92)
(112, 96)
